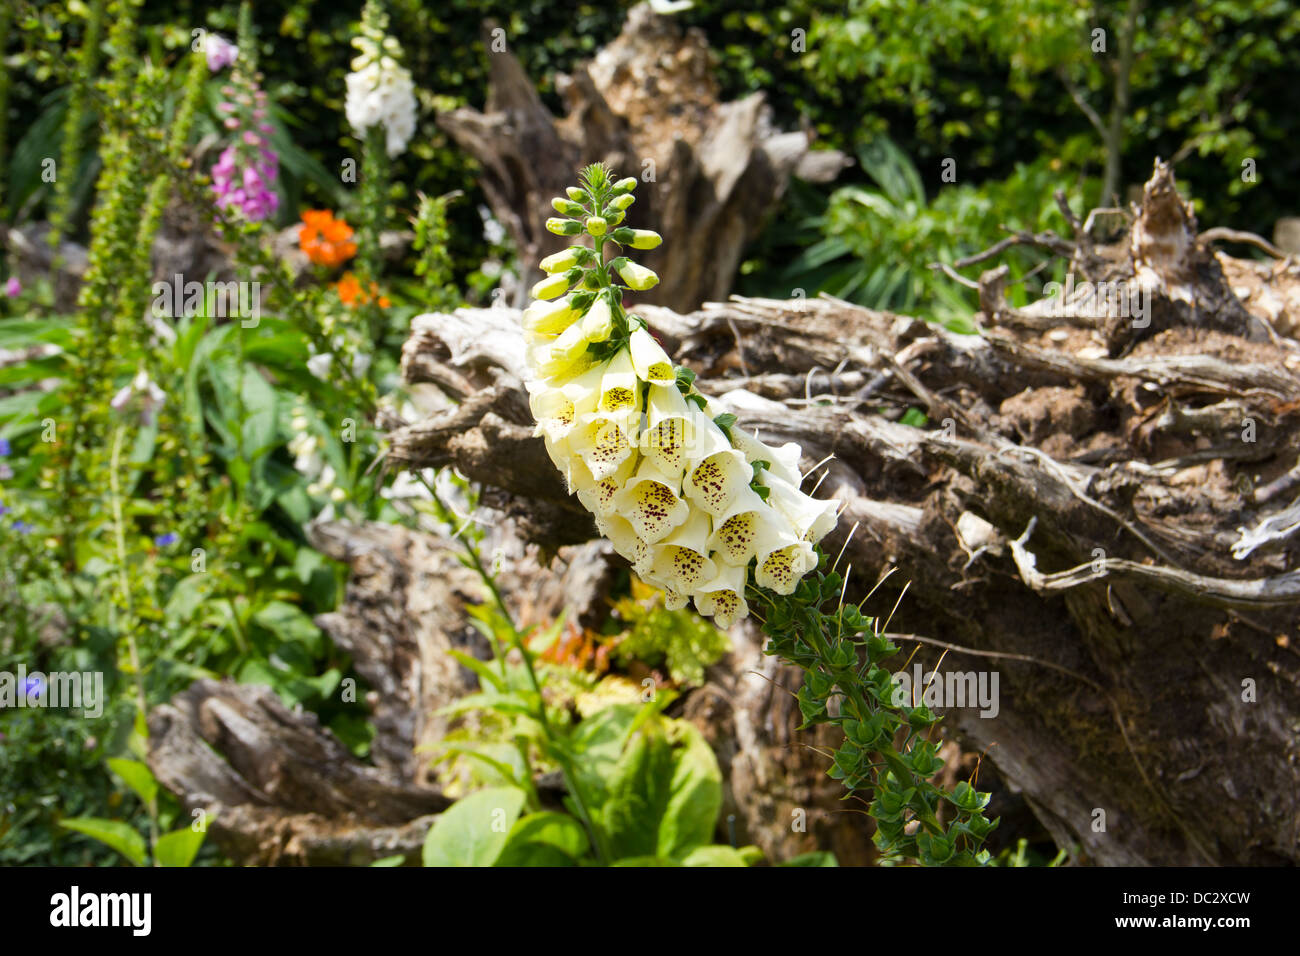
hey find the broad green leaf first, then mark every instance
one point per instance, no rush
(474, 831)
(113, 833)
(715, 855)
(178, 848)
(135, 775)
(695, 794)
(558, 830)
(397, 860)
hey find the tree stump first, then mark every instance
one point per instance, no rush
(647, 105)
(1101, 510)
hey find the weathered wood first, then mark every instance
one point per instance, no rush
(1156, 468)
(1134, 452)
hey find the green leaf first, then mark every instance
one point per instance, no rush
(487, 677)
(474, 831)
(289, 624)
(113, 833)
(716, 855)
(397, 860)
(696, 794)
(725, 421)
(137, 776)
(914, 417)
(178, 848)
(556, 830)
(665, 793)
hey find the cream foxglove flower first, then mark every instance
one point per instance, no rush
(723, 598)
(678, 495)
(651, 501)
(746, 525)
(603, 440)
(781, 568)
(668, 419)
(651, 361)
(620, 390)
(812, 518)
(598, 496)
(681, 561)
(722, 470)
(783, 461)
(620, 533)
(556, 409)
(550, 318)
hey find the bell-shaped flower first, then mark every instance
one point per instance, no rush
(598, 496)
(637, 277)
(721, 471)
(603, 441)
(723, 598)
(668, 419)
(780, 568)
(681, 561)
(626, 541)
(596, 225)
(567, 354)
(652, 503)
(598, 322)
(783, 462)
(651, 361)
(747, 525)
(812, 518)
(620, 391)
(556, 408)
(673, 600)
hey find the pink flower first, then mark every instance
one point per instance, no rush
(221, 52)
(13, 287)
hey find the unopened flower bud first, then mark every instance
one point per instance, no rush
(622, 202)
(566, 208)
(576, 194)
(563, 227)
(638, 277)
(561, 261)
(596, 226)
(551, 286)
(643, 239)
(625, 185)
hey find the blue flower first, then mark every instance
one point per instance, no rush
(22, 527)
(33, 687)
(5, 447)
(3, 510)
(163, 540)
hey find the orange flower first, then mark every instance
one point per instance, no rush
(351, 293)
(326, 241)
